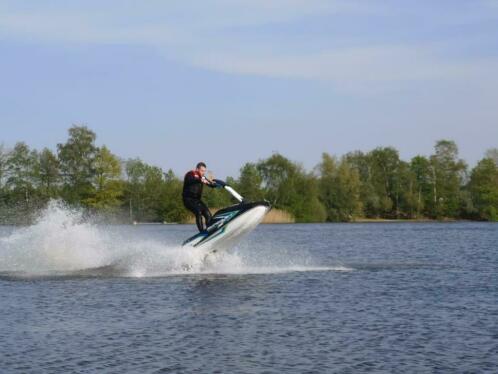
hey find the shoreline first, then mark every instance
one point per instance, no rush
(359, 220)
(369, 221)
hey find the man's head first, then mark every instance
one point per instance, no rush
(201, 168)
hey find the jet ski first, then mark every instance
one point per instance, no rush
(229, 225)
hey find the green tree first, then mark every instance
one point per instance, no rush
(20, 166)
(278, 175)
(370, 201)
(289, 187)
(153, 185)
(216, 197)
(339, 189)
(3, 193)
(77, 164)
(405, 191)
(108, 186)
(143, 191)
(384, 164)
(422, 171)
(48, 173)
(249, 183)
(134, 190)
(3, 164)
(448, 173)
(484, 189)
(171, 205)
(307, 207)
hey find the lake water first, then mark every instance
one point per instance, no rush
(345, 298)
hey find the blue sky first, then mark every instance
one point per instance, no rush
(174, 82)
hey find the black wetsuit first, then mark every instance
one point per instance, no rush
(192, 194)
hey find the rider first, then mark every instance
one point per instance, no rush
(192, 193)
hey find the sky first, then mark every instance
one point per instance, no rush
(234, 81)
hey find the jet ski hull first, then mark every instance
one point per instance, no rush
(228, 226)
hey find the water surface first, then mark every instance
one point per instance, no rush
(347, 298)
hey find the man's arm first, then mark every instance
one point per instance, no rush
(192, 178)
(208, 182)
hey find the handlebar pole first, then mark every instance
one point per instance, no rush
(234, 193)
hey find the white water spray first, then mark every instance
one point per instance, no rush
(62, 242)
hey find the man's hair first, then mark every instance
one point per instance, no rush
(200, 165)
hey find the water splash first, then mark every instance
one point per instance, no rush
(58, 240)
(63, 242)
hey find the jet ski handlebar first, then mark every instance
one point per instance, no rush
(222, 184)
(219, 183)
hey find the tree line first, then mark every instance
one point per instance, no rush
(375, 184)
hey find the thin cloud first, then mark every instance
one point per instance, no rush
(199, 35)
(370, 64)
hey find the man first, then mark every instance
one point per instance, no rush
(193, 183)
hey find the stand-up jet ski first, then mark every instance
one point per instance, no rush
(229, 225)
